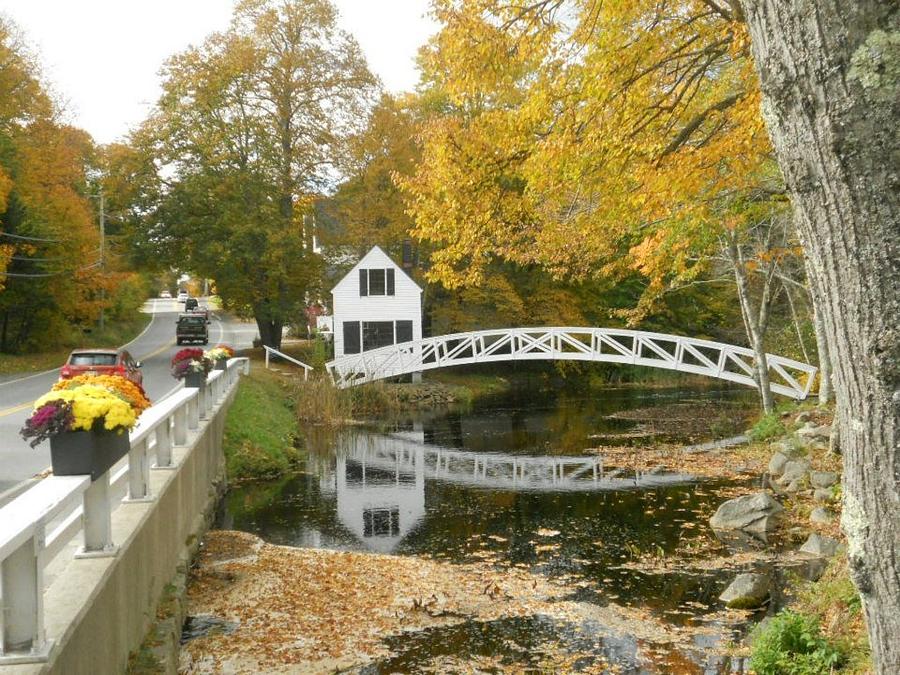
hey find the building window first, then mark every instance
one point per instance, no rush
(351, 337)
(381, 522)
(404, 331)
(376, 282)
(377, 334)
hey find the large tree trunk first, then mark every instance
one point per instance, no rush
(830, 74)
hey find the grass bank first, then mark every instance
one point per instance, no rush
(261, 427)
(115, 334)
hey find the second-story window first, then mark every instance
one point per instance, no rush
(376, 282)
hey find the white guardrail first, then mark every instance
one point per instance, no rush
(306, 368)
(36, 526)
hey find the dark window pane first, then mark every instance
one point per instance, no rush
(93, 360)
(364, 282)
(381, 522)
(351, 337)
(376, 282)
(404, 331)
(390, 281)
(377, 334)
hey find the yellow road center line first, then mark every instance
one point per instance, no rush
(15, 409)
(24, 406)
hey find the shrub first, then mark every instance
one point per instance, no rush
(792, 644)
(769, 426)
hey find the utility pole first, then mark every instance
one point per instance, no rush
(102, 266)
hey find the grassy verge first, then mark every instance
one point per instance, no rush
(822, 632)
(261, 428)
(115, 333)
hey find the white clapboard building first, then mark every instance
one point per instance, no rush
(376, 304)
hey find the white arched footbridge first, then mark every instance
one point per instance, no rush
(605, 345)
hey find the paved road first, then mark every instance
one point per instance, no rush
(154, 347)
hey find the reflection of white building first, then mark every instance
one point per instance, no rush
(379, 504)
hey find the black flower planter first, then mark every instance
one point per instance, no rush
(77, 453)
(194, 380)
(221, 364)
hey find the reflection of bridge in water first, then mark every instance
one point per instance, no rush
(379, 480)
(402, 455)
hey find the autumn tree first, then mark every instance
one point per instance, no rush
(368, 205)
(592, 139)
(51, 282)
(250, 127)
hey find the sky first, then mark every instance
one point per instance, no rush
(103, 56)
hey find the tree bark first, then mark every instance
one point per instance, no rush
(824, 359)
(830, 76)
(755, 322)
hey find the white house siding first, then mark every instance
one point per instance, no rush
(348, 305)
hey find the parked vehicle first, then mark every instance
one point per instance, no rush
(165, 294)
(102, 362)
(182, 296)
(191, 328)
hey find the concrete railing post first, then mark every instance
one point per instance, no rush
(201, 400)
(138, 472)
(97, 519)
(22, 586)
(164, 445)
(193, 415)
(180, 426)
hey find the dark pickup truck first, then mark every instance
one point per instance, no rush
(191, 328)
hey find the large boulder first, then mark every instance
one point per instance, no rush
(822, 479)
(755, 513)
(821, 516)
(812, 432)
(824, 495)
(776, 464)
(794, 470)
(820, 545)
(747, 591)
(788, 448)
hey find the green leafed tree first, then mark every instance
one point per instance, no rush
(251, 126)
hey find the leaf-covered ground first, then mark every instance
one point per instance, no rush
(319, 611)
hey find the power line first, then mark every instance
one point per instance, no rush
(24, 238)
(47, 274)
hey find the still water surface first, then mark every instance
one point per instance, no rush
(517, 480)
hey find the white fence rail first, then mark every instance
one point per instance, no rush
(306, 368)
(611, 345)
(37, 525)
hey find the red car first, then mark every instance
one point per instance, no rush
(102, 362)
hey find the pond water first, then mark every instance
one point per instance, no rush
(518, 480)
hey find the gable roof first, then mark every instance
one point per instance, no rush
(375, 254)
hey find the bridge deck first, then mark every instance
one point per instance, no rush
(607, 345)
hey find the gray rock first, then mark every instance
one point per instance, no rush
(822, 479)
(755, 513)
(747, 591)
(794, 486)
(793, 470)
(788, 448)
(776, 464)
(821, 516)
(820, 545)
(811, 431)
(823, 496)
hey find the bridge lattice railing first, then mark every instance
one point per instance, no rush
(607, 345)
